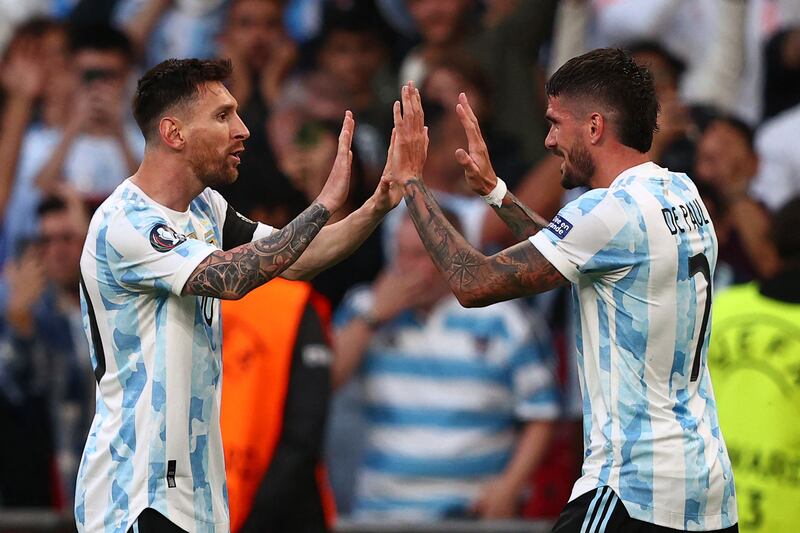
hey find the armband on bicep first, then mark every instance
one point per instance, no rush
(237, 230)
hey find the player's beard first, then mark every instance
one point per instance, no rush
(212, 169)
(579, 168)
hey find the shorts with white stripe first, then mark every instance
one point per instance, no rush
(600, 511)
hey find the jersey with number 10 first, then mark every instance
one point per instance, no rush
(641, 256)
(155, 440)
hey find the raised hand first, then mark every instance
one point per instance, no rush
(23, 74)
(389, 192)
(411, 141)
(478, 170)
(334, 192)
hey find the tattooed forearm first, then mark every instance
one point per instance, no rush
(520, 219)
(232, 274)
(475, 279)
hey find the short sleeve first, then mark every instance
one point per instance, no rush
(591, 235)
(144, 252)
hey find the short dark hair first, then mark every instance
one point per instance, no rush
(611, 77)
(170, 83)
(102, 37)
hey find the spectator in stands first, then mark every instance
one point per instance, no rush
(352, 49)
(37, 91)
(720, 41)
(506, 42)
(254, 39)
(44, 359)
(99, 145)
(458, 402)
(754, 355)
(782, 76)
(727, 163)
(778, 177)
(160, 29)
(306, 162)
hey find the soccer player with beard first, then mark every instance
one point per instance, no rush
(160, 252)
(640, 251)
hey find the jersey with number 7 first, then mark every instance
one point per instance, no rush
(641, 255)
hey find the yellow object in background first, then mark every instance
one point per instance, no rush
(754, 360)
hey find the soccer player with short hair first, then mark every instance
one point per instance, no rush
(160, 252)
(640, 250)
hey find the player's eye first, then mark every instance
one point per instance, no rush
(222, 116)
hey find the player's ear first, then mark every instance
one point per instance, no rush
(170, 129)
(597, 125)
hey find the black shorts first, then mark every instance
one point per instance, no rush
(151, 521)
(601, 511)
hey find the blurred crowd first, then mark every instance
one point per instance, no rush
(425, 410)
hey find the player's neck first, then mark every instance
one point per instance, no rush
(614, 163)
(166, 181)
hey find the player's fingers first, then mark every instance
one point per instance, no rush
(387, 168)
(408, 111)
(346, 135)
(398, 117)
(391, 143)
(464, 101)
(473, 134)
(416, 105)
(466, 162)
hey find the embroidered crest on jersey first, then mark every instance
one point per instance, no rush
(559, 226)
(163, 238)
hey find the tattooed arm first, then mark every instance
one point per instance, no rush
(520, 219)
(477, 280)
(231, 274)
(481, 177)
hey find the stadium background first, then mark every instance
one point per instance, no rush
(728, 77)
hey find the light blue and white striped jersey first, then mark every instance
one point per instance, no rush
(641, 256)
(442, 396)
(155, 439)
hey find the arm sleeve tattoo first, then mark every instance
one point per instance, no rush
(475, 279)
(521, 220)
(233, 273)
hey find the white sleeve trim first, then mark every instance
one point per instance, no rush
(556, 257)
(263, 230)
(182, 276)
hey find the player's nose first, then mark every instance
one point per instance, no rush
(550, 141)
(239, 130)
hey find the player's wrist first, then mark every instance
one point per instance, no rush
(495, 197)
(327, 202)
